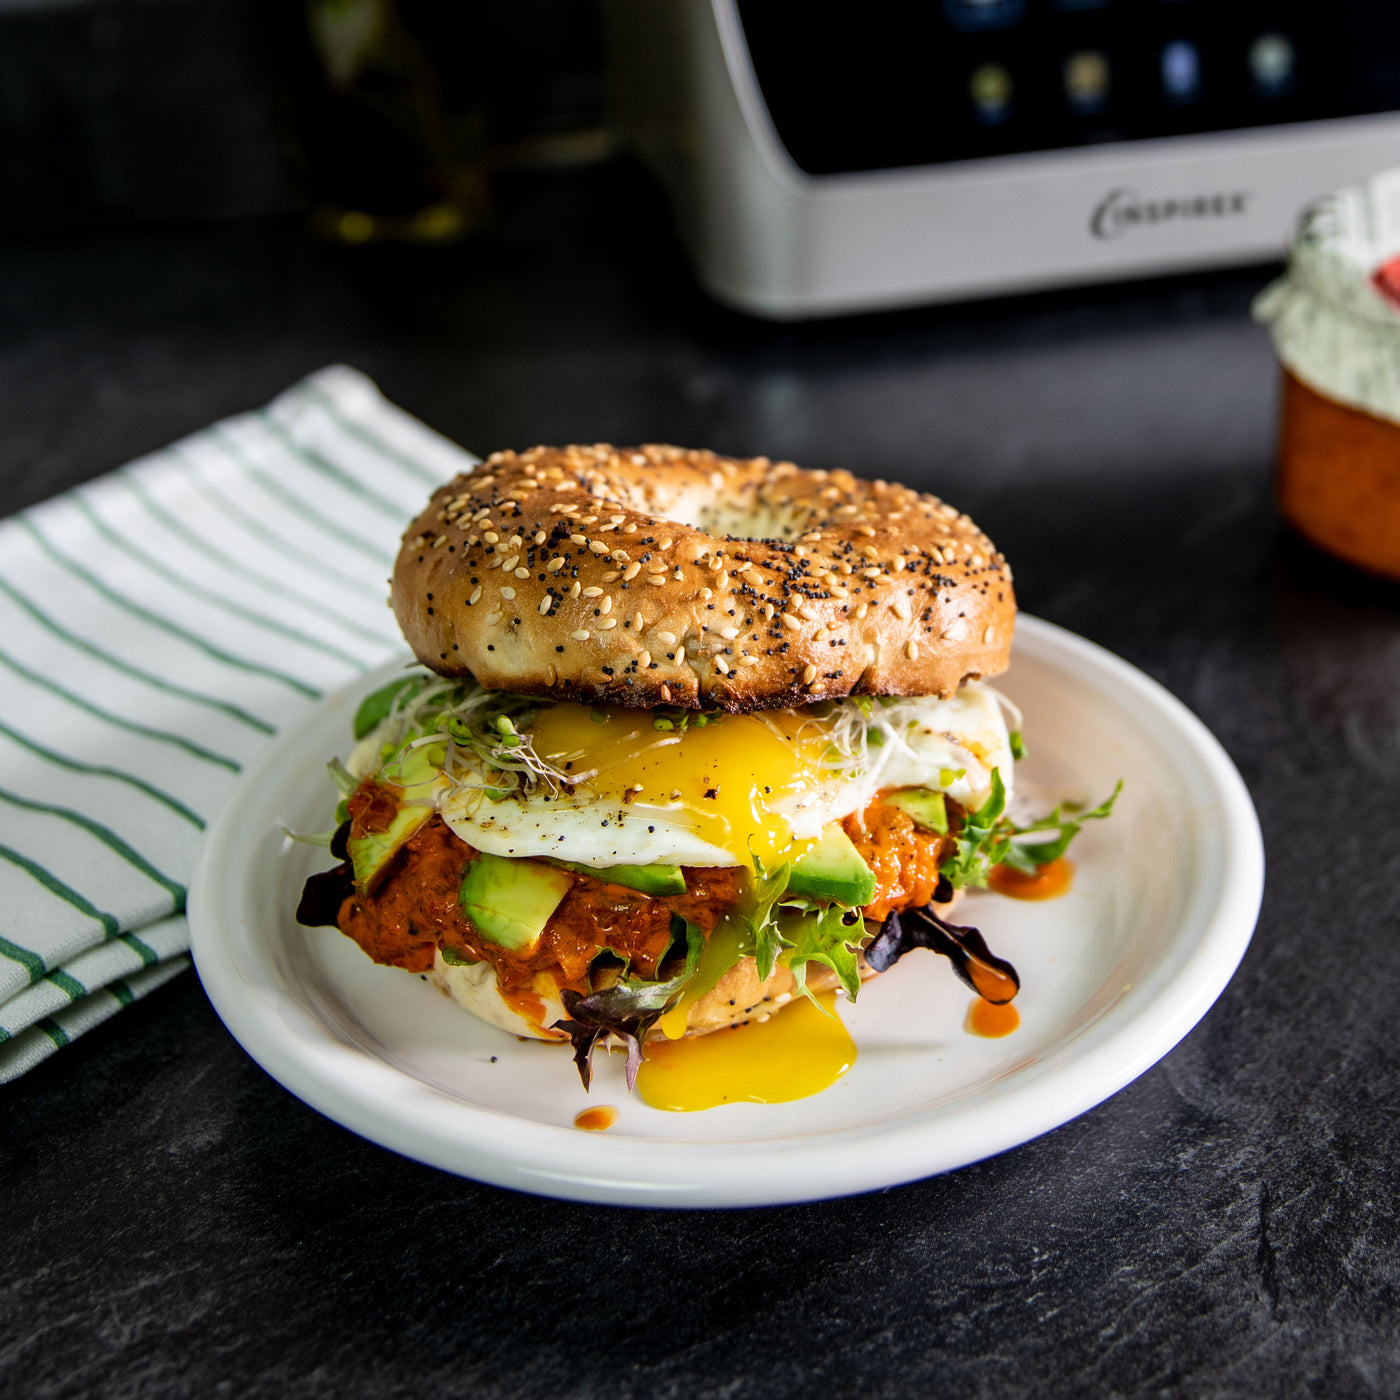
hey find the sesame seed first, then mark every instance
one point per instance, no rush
(951, 634)
(493, 618)
(631, 571)
(768, 611)
(540, 537)
(592, 592)
(546, 603)
(871, 573)
(901, 609)
(716, 562)
(722, 665)
(911, 649)
(597, 546)
(656, 578)
(612, 576)
(491, 537)
(644, 659)
(729, 633)
(578, 539)
(575, 589)
(607, 624)
(555, 564)
(988, 635)
(794, 622)
(822, 634)
(515, 542)
(476, 595)
(666, 638)
(507, 593)
(666, 695)
(579, 636)
(508, 564)
(607, 605)
(748, 661)
(754, 577)
(809, 675)
(637, 622)
(899, 563)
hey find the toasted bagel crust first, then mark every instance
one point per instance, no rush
(739, 996)
(657, 575)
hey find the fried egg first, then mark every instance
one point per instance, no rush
(735, 790)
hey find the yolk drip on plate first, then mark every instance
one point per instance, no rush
(722, 778)
(792, 1055)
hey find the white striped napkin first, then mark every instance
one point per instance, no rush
(156, 626)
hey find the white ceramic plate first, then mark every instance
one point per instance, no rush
(1113, 974)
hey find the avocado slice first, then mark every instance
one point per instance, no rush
(412, 777)
(510, 901)
(833, 869)
(649, 879)
(927, 807)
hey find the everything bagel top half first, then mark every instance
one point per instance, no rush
(700, 730)
(657, 575)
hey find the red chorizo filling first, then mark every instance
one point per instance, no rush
(414, 909)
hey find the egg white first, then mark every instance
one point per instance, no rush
(949, 745)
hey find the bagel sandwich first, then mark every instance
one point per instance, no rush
(690, 737)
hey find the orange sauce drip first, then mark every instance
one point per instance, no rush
(1050, 881)
(991, 1020)
(992, 984)
(596, 1120)
(798, 1052)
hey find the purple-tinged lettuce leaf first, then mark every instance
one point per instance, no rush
(628, 1009)
(963, 946)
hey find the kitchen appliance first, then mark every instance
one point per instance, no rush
(838, 158)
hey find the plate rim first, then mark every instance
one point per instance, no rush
(396, 1110)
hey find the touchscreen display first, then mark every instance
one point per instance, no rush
(881, 84)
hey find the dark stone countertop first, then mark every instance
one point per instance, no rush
(178, 1225)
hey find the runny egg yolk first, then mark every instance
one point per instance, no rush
(796, 1053)
(724, 775)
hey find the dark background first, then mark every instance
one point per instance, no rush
(178, 1225)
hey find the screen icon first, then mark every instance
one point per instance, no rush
(990, 88)
(1181, 72)
(983, 14)
(1272, 63)
(1087, 81)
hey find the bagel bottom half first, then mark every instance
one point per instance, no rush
(740, 995)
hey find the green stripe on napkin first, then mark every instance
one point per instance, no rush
(156, 627)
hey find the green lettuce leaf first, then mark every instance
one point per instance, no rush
(755, 914)
(987, 837)
(829, 935)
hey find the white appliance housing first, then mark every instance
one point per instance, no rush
(769, 239)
